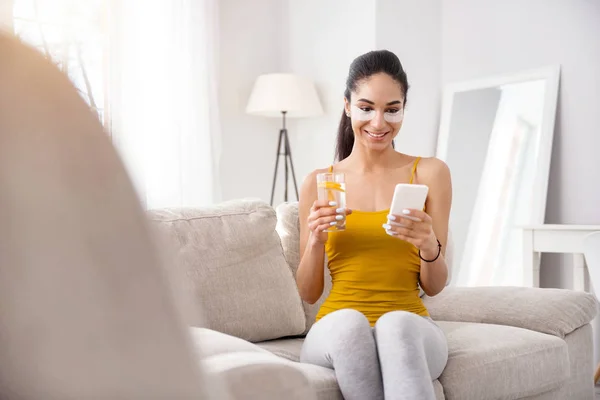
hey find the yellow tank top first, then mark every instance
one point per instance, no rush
(372, 272)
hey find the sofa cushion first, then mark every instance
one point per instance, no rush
(235, 268)
(286, 348)
(494, 361)
(288, 228)
(486, 361)
(321, 379)
(208, 342)
(252, 375)
(556, 312)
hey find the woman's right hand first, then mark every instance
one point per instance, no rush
(323, 215)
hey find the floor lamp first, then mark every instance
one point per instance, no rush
(282, 95)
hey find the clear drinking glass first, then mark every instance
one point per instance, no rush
(332, 187)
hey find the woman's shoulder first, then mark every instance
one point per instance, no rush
(309, 185)
(421, 164)
(328, 168)
(432, 163)
(432, 169)
(312, 177)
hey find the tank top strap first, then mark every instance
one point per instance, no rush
(331, 168)
(414, 169)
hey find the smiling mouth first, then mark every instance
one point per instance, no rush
(376, 135)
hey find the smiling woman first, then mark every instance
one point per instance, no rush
(380, 261)
(364, 108)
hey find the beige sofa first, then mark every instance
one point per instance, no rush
(237, 261)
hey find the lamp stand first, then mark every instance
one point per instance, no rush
(287, 159)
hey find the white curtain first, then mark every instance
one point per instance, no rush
(162, 91)
(6, 15)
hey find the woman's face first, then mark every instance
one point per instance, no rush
(376, 109)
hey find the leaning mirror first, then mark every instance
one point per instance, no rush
(496, 137)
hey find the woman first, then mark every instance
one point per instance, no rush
(373, 328)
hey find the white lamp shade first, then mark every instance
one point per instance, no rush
(274, 93)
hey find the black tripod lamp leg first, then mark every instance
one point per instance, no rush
(276, 166)
(288, 151)
(285, 151)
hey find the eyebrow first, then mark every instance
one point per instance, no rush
(388, 104)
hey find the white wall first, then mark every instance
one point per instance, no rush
(324, 37)
(412, 30)
(251, 43)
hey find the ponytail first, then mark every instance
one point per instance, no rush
(345, 138)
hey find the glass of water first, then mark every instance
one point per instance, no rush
(332, 187)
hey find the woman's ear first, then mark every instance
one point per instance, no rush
(346, 106)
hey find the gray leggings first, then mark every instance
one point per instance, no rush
(397, 359)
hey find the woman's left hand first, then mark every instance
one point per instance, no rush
(415, 227)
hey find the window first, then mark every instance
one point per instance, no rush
(73, 34)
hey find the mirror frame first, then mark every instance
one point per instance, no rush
(551, 74)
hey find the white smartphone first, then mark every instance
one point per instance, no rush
(408, 195)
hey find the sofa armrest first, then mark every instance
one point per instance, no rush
(258, 376)
(556, 312)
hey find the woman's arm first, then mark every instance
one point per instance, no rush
(431, 225)
(309, 276)
(434, 275)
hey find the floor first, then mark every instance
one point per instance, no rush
(597, 396)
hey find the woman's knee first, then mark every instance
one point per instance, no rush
(347, 316)
(344, 325)
(401, 324)
(415, 337)
(334, 334)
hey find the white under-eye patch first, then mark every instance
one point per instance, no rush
(362, 115)
(394, 117)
